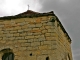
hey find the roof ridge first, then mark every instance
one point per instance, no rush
(28, 12)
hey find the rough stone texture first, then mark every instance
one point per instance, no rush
(34, 39)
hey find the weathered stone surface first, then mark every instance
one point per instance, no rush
(30, 40)
(44, 47)
(16, 34)
(30, 37)
(47, 42)
(47, 34)
(50, 30)
(34, 38)
(29, 48)
(35, 43)
(38, 25)
(44, 31)
(20, 30)
(31, 26)
(26, 44)
(23, 41)
(49, 38)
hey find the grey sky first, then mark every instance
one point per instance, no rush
(68, 11)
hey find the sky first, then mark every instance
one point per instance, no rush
(68, 12)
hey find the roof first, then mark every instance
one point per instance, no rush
(28, 12)
(31, 14)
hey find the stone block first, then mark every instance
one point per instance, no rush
(41, 39)
(50, 23)
(22, 41)
(21, 23)
(46, 52)
(3, 35)
(38, 25)
(19, 38)
(47, 27)
(44, 31)
(26, 44)
(19, 20)
(31, 26)
(9, 35)
(16, 34)
(37, 36)
(1, 26)
(29, 48)
(38, 20)
(37, 52)
(31, 22)
(49, 38)
(50, 30)
(22, 48)
(23, 34)
(44, 21)
(35, 43)
(47, 34)
(35, 31)
(42, 27)
(43, 47)
(12, 38)
(14, 31)
(44, 24)
(28, 29)
(30, 40)
(36, 40)
(30, 37)
(20, 30)
(29, 33)
(5, 38)
(0, 38)
(17, 28)
(24, 27)
(2, 41)
(35, 48)
(47, 42)
(49, 47)
(41, 43)
(53, 34)
(9, 29)
(54, 47)
(35, 28)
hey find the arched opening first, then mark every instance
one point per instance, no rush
(47, 58)
(8, 56)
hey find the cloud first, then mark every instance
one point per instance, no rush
(68, 11)
(13, 7)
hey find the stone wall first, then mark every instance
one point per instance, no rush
(63, 44)
(34, 39)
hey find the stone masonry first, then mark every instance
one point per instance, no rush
(34, 38)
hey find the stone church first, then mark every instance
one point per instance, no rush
(34, 36)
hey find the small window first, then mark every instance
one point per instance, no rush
(8, 56)
(47, 58)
